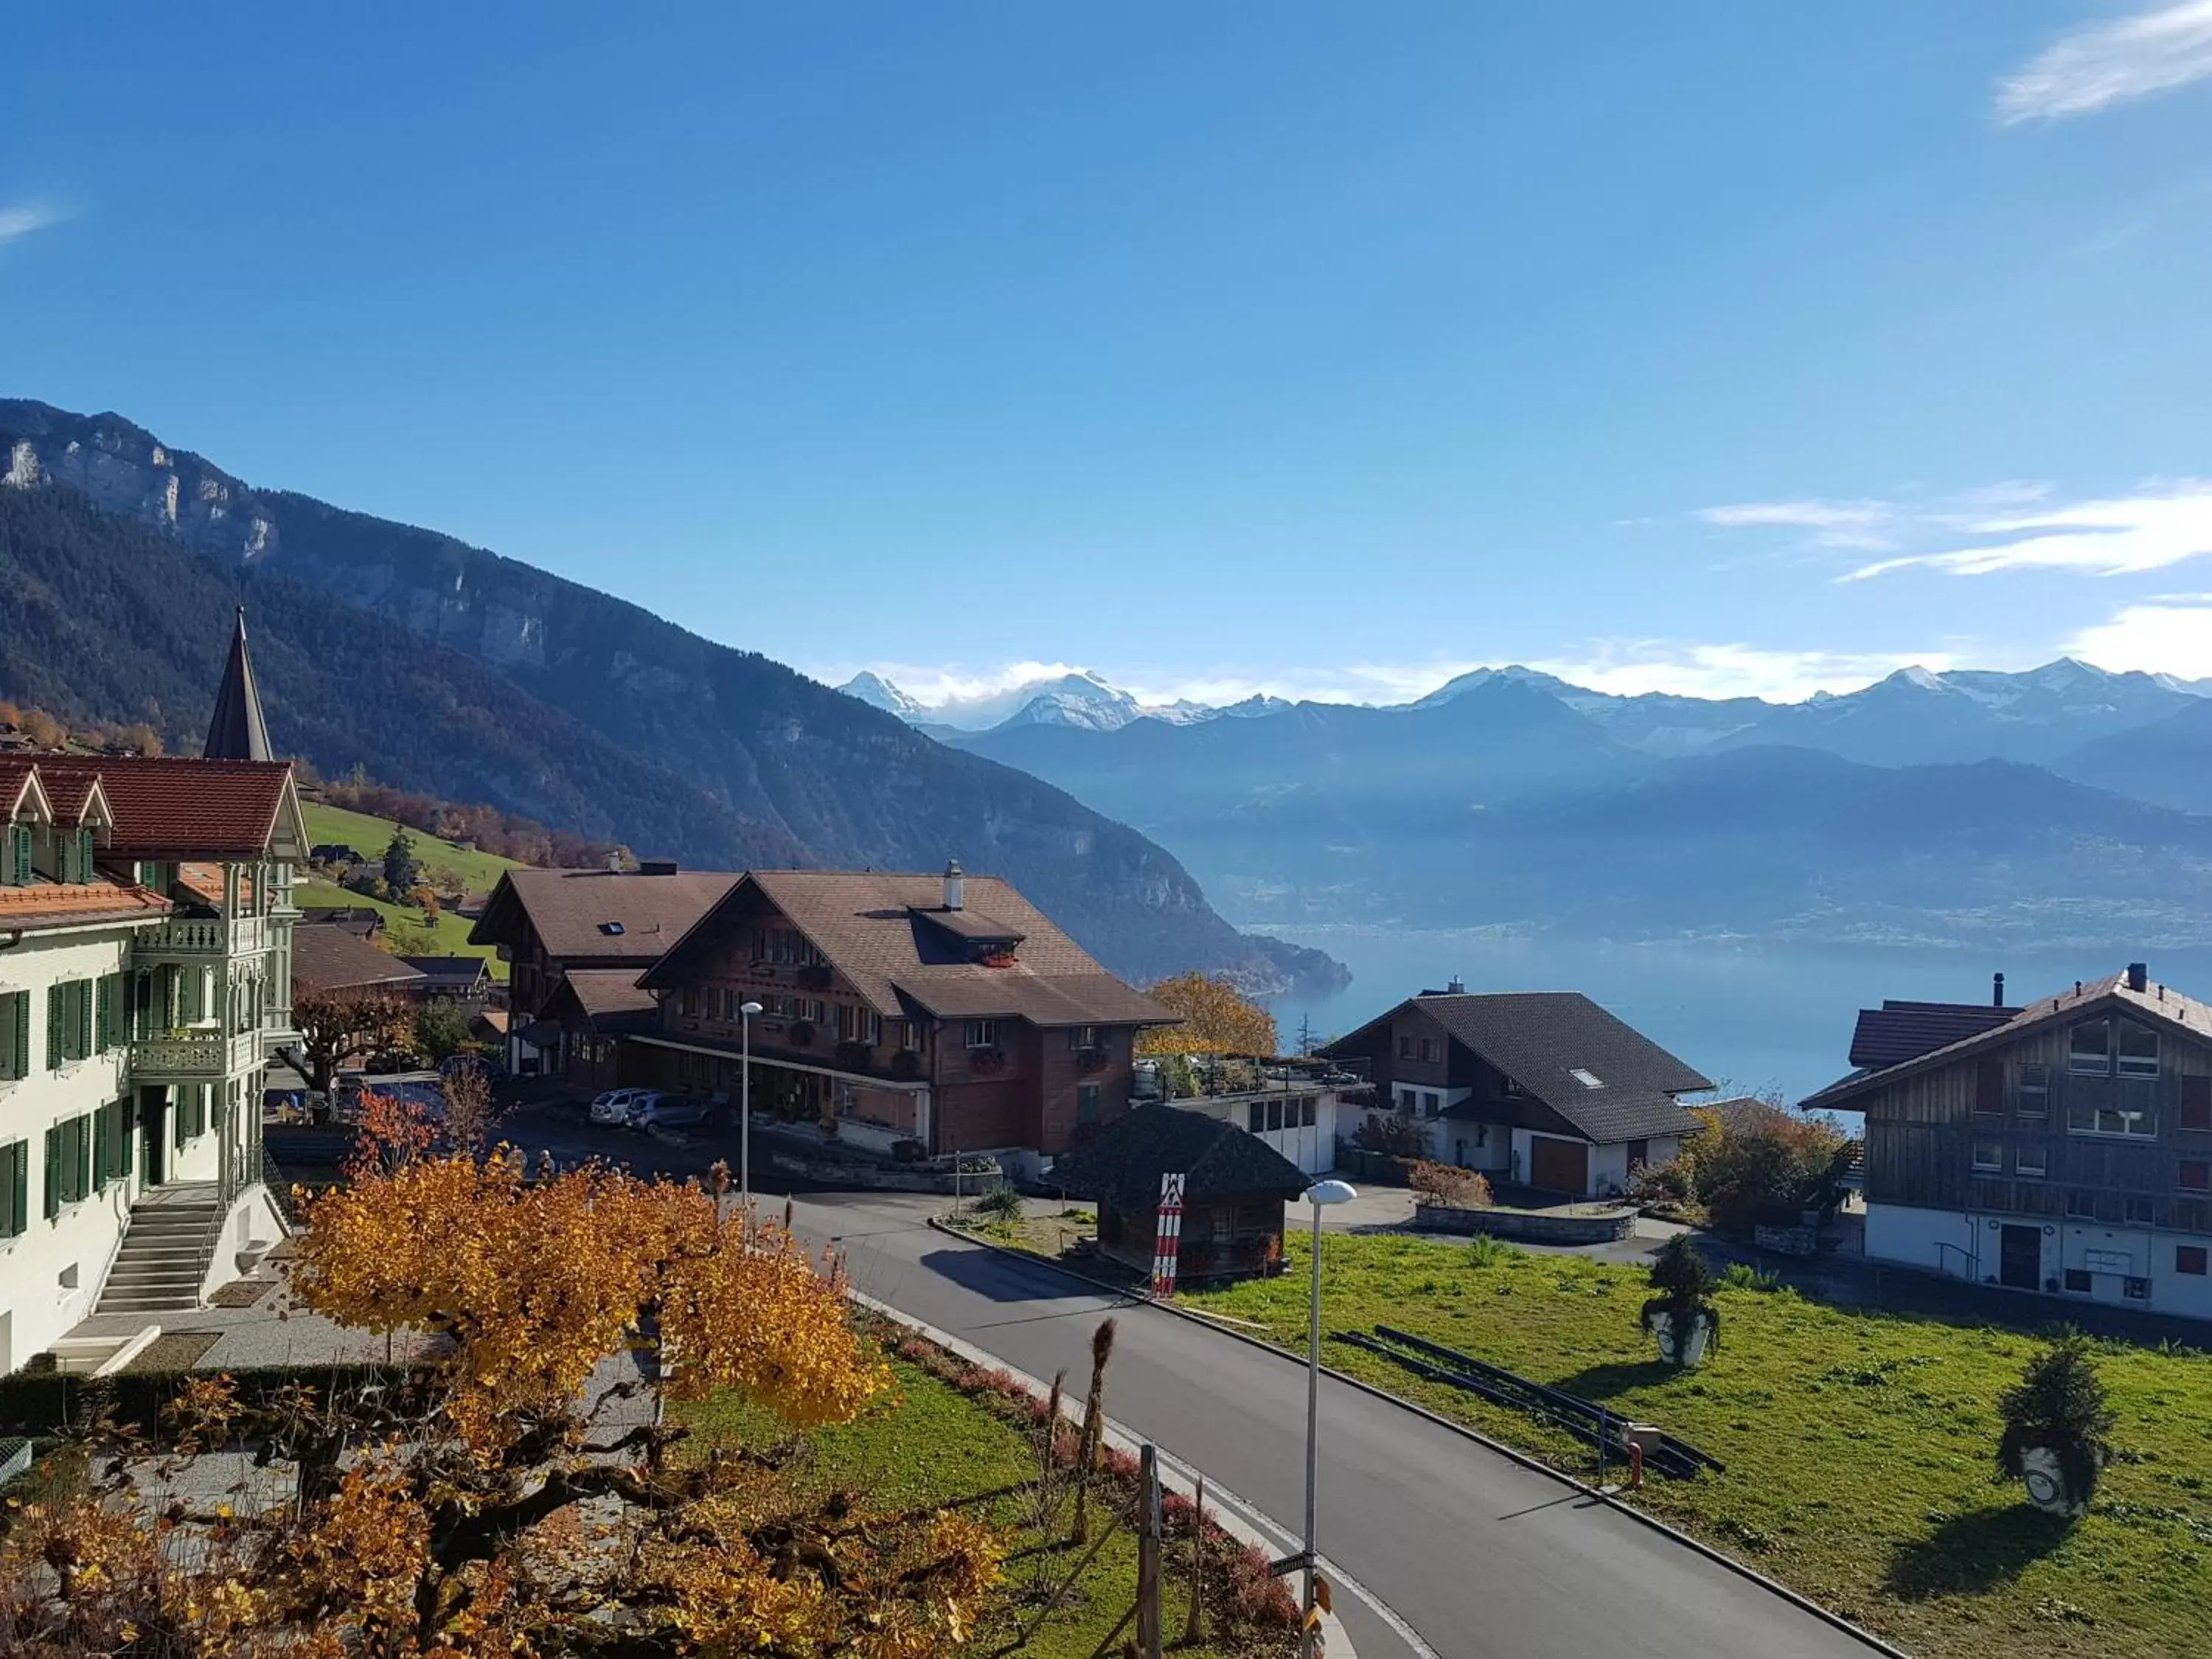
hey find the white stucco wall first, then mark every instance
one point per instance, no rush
(1312, 1146)
(1485, 1146)
(52, 1273)
(2110, 1255)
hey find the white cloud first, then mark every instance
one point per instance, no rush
(1860, 524)
(2168, 633)
(1694, 669)
(933, 686)
(26, 217)
(2123, 536)
(2108, 64)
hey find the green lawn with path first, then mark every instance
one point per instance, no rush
(1860, 1446)
(929, 1445)
(448, 936)
(367, 836)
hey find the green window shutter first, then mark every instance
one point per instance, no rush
(18, 1188)
(53, 1171)
(84, 855)
(54, 1028)
(127, 1110)
(101, 1150)
(103, 1019)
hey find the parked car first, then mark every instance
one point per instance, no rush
(671, 1112)
(613, 1106)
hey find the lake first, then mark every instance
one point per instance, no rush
(1749, 1015)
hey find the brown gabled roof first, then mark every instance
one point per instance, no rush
(2160, 1004)
(885, 933)
(333, 959)
(607, 915)
(1553, 1044)
(20, 785)
(182, 808)
(607, 997)
(1899, 1031)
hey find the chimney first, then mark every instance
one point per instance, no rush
(1455, 987)
(1996, 990)
(2138, 976)
(954, 884)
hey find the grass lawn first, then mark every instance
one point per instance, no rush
(1859, 1447)
(930, 1446)
(448, 935)
(479, 872)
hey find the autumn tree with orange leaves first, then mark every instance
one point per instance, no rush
(480, 1507)
(1216, 1019)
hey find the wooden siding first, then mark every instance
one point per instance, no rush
(1923, 1133)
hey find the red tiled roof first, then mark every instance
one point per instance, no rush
(15, 774)
(180, 808)
(46, 904)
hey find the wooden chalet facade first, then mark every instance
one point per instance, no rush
(1541, 1089)
(2064, 1147)
(947, 1011)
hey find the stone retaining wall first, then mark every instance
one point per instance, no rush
(1537, 1226)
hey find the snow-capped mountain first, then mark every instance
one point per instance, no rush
(879, 693)
(1083, 700)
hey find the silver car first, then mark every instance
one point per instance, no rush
(659, 1111)
(613, 1106)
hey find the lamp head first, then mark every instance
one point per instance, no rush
(1331, 1192)
(750, 1009)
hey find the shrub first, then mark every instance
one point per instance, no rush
(1448, 1184)
(1754, 1162)
(1001, 1203)
(1742, 1276)
(1685, 1282)
(1485, 1251)
(2059, 1403)
(1255, 1595)
(1391, 1133)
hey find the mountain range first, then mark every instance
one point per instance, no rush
(2065, 805)
(439, 666)
(1080, 699)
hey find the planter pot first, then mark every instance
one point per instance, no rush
(2048, 1488)
(1686, 1346)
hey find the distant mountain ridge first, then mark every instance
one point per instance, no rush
(445, 667)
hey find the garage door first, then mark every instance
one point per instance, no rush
(1559, 1166)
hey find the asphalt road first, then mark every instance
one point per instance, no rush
(1477, 1554)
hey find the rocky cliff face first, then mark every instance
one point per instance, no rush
(850, 784)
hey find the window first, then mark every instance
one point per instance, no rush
(2080, 1202)
(2030, 1160)
(69, 1023)
(982, 1033)
(1274, 1115)
(861, 1025)
(2114, 1109)
(2193, 1215)
(2196, 1111)
(69, 1149)
(1432, 1103)
(2187, 1258)
(1989, 1088)
(1404, 1047)
(2138, 1046)
(2135, 1290)
(2142, 1212)
(2195, 1175)
(1432, 1050)
(911, 1032)
(1084, 1036)
(2088, 1049)
(1989, 1155)
(2077, 1280)
(1305, 1112)
(1255, 1116)
(690, 1002)
(1408, 1098)
(14, 1035)
(15, 1188)
(2032, 1097)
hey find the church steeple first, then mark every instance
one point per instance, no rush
(237, 732)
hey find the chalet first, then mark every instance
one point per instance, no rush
(947, 1011)
(2063, 1147)
(594, 1010)
(1542, 1089)
(548, 923)
(464, 980)
(1234, 1185)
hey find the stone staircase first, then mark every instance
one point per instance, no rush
(165, 1252)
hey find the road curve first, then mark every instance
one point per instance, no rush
(1478, 1554)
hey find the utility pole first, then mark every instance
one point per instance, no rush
(1148, 1555)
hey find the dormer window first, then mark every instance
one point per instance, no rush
(611, 929)
(2111, 1048)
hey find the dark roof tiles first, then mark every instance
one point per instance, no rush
(1899, 1031)
(1122, 1165)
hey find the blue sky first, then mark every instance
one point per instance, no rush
(1305, 347)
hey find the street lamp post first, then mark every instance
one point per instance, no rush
(1321, 1193)
(745, 1014)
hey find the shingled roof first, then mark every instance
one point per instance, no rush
(333, 959)
(1123, 1165)
(181, 808)
(607, 998)
(888, 935)
(2157, 1004)
(1899, 1031)
(614, 916)
(1600, 1073)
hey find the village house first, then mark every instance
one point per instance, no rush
(944, 1013)
(1297, 1106)
(145, 980)
(548, 924)
(2063, 1147)
(332, 961)
(1541, 1089)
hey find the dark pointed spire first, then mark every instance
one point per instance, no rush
(237, 732)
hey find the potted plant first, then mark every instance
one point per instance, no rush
(2055, 1421)
(1682, 1316)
